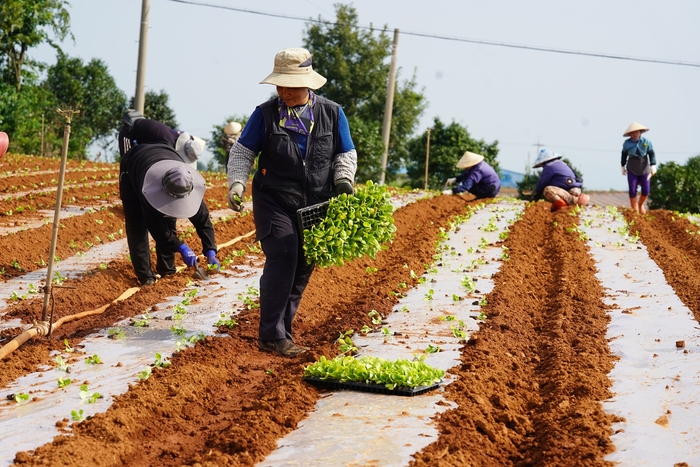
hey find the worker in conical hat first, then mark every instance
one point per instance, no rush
(638, 164)
(558, 183)
(477, 177)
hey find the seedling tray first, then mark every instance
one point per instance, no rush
(312, 215)
(336, 385)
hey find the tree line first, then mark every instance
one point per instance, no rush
(355, 61)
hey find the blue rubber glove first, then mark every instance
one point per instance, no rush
(188, 256)
(211, 258)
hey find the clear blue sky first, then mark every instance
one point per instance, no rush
(210, 60)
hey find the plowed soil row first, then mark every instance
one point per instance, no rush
(529, 388)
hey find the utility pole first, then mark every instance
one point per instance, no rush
(389, 106)
(140, 95)
(538, 145)
(427, 159)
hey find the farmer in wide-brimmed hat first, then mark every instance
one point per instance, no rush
(306, 157)
(638, 164)
(558, 183)
(158, 184)
(477, 178)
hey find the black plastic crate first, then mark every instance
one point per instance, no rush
(312, 215)
(336, 385)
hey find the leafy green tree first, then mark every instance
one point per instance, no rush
(25, 114)
(356, 63)
(677, 187)
(216, 142)
(25, 24)
(447, 145)
(91, 90)
(156, 107)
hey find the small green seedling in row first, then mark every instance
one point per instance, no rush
(225, 320)
(76, 415)
(178, 330)
(63, 382)
(58, 279)
(93, 360)
(67, 348)
(161, 362)
(20, 397)
(468, 284)
(87, 396)
(483, 243)
(432, 348)
(61, 365)
(370, 270)
(456, 298)
(145, 374)
(386, 332)
(413, 274)
(102, 267)
(375, 317)
(402, 285)
(143, 322)
(429, 295)
(345, 343)
(483, 301)
(116, 333)
(481, 316)
(269, 371)
(404, 309)
(365, 329)
(32, 289)
(15, 296)
(448, 318)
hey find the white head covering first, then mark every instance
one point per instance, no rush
(469, 159)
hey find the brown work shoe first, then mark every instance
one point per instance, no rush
(282, 347)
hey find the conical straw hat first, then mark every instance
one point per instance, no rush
(634, 126)
(469, 159)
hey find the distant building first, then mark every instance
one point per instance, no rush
(510, 178)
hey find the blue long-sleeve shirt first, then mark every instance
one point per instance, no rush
(557, 173)
(481, 180)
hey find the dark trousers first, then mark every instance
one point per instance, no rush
(285, 274)
(139, 248)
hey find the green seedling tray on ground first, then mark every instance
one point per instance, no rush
(336, 385)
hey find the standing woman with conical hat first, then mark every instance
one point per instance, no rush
(477, 178)
(638, 164)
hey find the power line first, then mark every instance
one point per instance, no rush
(456, 39)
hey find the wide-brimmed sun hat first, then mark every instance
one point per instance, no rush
(634, 126)
(174, 188)
(469, 159)
(293, 70)
(189, 147)
(545, 156)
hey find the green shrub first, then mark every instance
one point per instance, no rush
(677, 187)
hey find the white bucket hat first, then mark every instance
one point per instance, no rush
(174, 188)
(634, 126)
(233, 128)
(469, 159)
(293, 70)
(545, 156)
(189, 148)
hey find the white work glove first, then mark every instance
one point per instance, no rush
(653, 170)
(450, 181)
(446, 192)
(624, 170)
(235, 197)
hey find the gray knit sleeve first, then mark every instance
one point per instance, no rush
(240, 161)
(344, 166)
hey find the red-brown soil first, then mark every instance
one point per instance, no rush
(528, 390)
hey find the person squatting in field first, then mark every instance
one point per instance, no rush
(638, 164)
(157, 185)
(477, 178)
(558, 183)
(306, 157)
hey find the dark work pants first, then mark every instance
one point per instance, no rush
(285, 274)
(139, 248)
